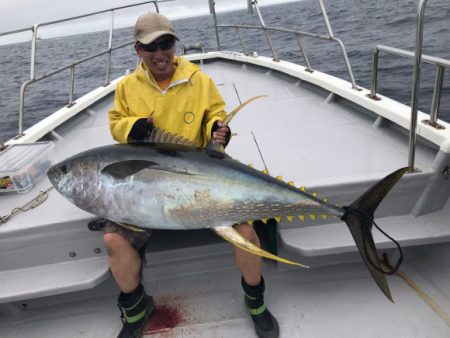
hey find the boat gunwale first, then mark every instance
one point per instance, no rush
(385, 107)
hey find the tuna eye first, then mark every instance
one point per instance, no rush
(63, 169)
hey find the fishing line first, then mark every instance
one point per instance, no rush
(237, 93)
(260, 154)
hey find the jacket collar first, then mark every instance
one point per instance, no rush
(183, 72)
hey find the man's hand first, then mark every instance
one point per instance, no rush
(220, 134)
(141, 130)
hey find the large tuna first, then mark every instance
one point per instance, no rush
(173, 186)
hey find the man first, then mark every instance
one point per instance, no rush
(172, 94)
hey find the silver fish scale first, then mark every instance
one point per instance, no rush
(211, 210)
(242, 194)
(178, 187)
(258, 211)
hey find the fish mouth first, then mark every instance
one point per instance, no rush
(55, 175)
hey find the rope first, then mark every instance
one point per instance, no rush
(35, 202)
(365, 233)
(400, 259)
(390, 270)
(420, 292)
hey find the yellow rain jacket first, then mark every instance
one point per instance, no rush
(188, 107)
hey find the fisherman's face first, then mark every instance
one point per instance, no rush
(159, 56)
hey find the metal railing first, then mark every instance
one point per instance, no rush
(297, 33)
(417, 56)
(71, 66)
(440, 64)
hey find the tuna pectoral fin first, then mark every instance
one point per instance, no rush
(124, 169)
(231, 235)
(359, 218)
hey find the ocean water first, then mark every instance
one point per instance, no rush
(360, 24)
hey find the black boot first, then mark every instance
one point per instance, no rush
(266, 326)
(135, 308)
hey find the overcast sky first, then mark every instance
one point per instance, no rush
(17, 14)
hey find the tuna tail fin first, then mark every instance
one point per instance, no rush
(359, 219)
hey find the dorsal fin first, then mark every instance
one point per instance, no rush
(230, 116)
(161, 136)
(213, 145)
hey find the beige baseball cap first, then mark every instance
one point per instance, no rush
(151, 26)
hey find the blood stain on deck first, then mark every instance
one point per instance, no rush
(163, 318)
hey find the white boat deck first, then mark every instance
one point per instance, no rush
(301, 133)
(338, 301)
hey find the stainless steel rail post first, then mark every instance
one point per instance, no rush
(241, 40)
(266, 32)
(435, 103)
(72, 86)
(156, 6)
(108, 62)
(374, 76)
(416, 85)
(22, 106)
(33, 51)
(302, 48)
(347, 63)
(325, 17)
(341, 44)
(212, 10)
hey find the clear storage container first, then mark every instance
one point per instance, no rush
(22, 166)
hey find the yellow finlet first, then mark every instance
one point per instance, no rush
(264, 220)
(231, 235)
(302, 188)
(250, 165)
(279, 178)
(291, 183)
(265, 171)
(314, 194)
(313, 217)
(324, 216)
(301, 217)
(278, 219)
(290, 218)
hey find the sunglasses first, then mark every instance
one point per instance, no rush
(163, 45)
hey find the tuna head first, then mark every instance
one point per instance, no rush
(77, 180)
